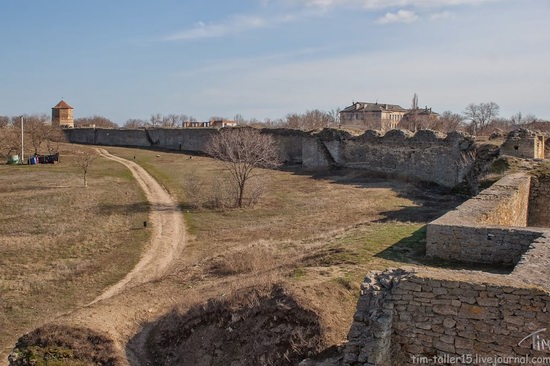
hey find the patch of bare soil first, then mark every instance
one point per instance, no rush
(166, 221)
(110, 312)
(253, 327)
(57, 344)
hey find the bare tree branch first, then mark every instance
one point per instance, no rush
(242, 151)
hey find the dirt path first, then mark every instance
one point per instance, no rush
(168, 232)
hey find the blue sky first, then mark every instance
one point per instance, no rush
(266, 58)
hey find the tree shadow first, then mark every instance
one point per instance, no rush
(429, 200)
(251, 328)
(412, 250)
(140, 207)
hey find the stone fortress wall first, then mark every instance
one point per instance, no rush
(437, 316)
(424, 156)
(489, 228)
(409, 316)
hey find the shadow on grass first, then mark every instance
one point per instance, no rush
(141, 207)
(412, 250)
(429, 200)
(250, 327)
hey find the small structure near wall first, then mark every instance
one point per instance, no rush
(523, 143)
(219, 123)
(378, 116)
(62, 115)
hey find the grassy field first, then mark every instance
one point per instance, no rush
(331, 226)
(61, 243)
(317, 232)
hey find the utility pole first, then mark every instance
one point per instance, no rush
(22, 142)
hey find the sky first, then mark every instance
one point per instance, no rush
(261, 59)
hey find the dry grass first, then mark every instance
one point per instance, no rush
(311, 231)
(316, 234)
(61, 243)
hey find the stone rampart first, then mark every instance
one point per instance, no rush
(448, 317)
(539, 202)
(489, 228)
(436, 316)
(424, 156)
(523, 143)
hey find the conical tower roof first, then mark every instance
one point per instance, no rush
(62, 105)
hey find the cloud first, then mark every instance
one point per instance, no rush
(384, 4)
(381, 4)
(233, 25)
(441, 15)
(402, 16)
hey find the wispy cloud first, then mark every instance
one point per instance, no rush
(402, 16)
(441, 15)
(235, 24)
(384, 4)
(381, 4)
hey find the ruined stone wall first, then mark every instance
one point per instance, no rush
(489, 228)
(447, 314)
(424, 156)
(525, 144)
(539, 202)
(436, 316)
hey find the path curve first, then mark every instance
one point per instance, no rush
(166, 223)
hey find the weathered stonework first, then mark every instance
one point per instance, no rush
(489, 228)
(63, 115)
(424, 156)
(437, 316)
(539, 202)
(446, 314)
(525, 144)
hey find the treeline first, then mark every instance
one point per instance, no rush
(38, 135)
(476, 119)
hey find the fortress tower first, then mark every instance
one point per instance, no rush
(62, 115)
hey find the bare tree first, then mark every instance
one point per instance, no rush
(480, 115)
(55, 136)
(309, 120)
(10, 141)
(412, 120)
(171, 120)
(4, 121)
(334, 115)
(156, 120)
(83, 161)
(521, 119)
(449, 121)
(37, 130)
(414, 105)
(134, 123)
(243, 151)
(240, 119)
(97, 121)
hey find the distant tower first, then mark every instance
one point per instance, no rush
(62, 115)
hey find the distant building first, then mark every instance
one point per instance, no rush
(222, 123)
(62, 115)
(378, 116)
(214, 123)
(195, 124)
(419, 118)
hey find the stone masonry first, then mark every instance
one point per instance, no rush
(424, 156)
(417, 316)
(525, 144)
(489, 228)
(539, 202)
(448, 317)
